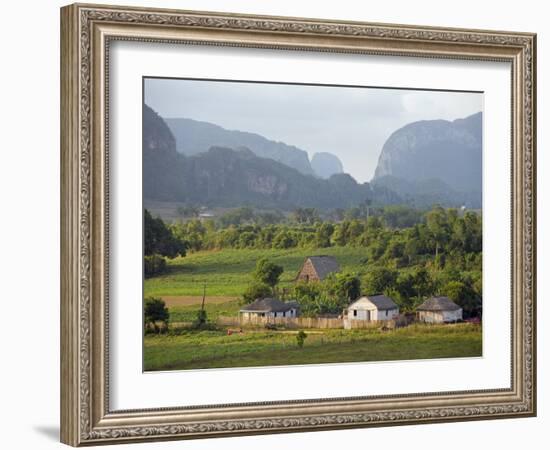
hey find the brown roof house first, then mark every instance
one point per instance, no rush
(317, 268)
(369, 308)
(439, 310)
(269, 307)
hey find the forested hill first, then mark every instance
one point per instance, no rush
(226, 177)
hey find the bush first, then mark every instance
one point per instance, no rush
(300, 338)
(155, 311)
(201, 321)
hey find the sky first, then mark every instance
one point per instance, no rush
(350, 122)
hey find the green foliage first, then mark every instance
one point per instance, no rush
(201, 319)
(345, 286)
(300, 338)
(284, 239)
(464, 295)
(237, 216)
(159, 239)
(409, 264)
(188, 211)
(323, 234)
(378, 279)
(329, 296)
(306, 215)
(153, 265)
(267, 272)
(155, 311)
(256, 290)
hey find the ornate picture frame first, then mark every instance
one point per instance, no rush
(87, 31)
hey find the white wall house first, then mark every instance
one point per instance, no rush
(439, 310)
(371, 308)
(269, 307)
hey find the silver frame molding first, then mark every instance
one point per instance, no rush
(86, 32)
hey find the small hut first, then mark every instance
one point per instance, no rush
(439, 310)
(372, 307)
(269, 307)
(317, 268)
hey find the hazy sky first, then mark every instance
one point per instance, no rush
(352, 123)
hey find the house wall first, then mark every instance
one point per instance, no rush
(375, 314)
(307, 273)
(452, 316)
(440, 316)
(251, 315)
(368, 311)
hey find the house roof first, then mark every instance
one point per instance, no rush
(268, 305)
(324, 265)
(438, 304)
(381, 302)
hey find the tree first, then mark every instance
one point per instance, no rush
(379, 279)
(323, 234)
(283, 239)
(267, 272)
(155, 311)
(256, 290)
(464, 295)
(345, 286)
(188, 211)
(306, 215)
(159, 239)
(438, 226)
(423, 283)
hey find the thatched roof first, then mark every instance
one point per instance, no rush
(380, 301)
(268, 305)
(438, 304)
(324, 265)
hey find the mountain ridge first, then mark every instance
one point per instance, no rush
(195, 136)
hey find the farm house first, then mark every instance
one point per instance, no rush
(439, 310)
(269, 307)
(370, 308)
(317, 268)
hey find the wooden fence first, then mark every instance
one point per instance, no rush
(300, 322)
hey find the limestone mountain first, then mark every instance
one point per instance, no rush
(193, 137)
(447, 151)
(326, 164)
(227, 177)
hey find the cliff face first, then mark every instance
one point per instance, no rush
(436, 149)
(194, 137)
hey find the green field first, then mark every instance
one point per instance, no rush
(211, 349)
(227, 272)
(188, 313)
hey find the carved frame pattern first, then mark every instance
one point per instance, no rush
(86, 418)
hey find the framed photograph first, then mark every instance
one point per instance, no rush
(276, 224)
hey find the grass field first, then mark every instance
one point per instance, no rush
(214, 309)
(227, 272)
(211, 349)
